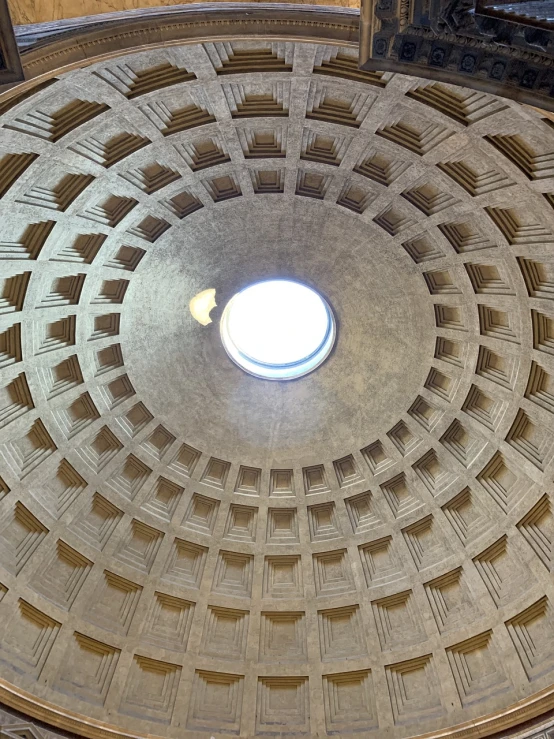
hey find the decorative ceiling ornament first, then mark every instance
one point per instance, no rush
(499, 47)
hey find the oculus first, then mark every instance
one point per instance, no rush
(278, 329)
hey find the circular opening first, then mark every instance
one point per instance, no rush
(277, 329)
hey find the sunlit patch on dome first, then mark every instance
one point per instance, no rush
(201, 305)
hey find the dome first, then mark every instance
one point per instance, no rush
(187, 550)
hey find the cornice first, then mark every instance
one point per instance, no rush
(50, 48)
(526, 710)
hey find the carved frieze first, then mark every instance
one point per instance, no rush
(505, 48)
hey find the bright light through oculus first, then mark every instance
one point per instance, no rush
(278, 329)
(278, 322)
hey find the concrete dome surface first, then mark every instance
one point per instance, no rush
(187, 550)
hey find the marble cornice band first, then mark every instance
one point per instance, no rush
(49, 47)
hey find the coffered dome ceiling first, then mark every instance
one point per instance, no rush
(190, 551)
